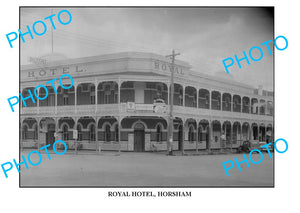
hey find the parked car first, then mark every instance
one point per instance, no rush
(265, 148)
(245, 147)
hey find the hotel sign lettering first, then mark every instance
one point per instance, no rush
(164, 66)
(55, 71)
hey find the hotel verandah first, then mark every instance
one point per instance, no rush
(120, 102)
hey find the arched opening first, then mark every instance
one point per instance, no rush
(262, 107)
(270, 108)
(203, 132)
(27, 92)
(245, 131)
(191, 133)
(24, 131)
(127, 92)
(236, 103)
(65, 97)
(107, 133)
(190, 97)
(48, 126)
(50, 100)
(92, 132)
(226, 130)
(139, 137)
(203, 99)
(85, 94)
(246, 105)
(158, 133)
(29, 132)
(107, 92)
(155, 91)
(255, 131)
(216, 100)
(254, 106)
(216, 132)
(178, 95)
(262, 133)
(226, 102)
(65, 132)
(236, 133)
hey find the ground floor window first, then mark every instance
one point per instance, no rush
(191, 134)
(65, 132)
(117, 133)
(107, 133)
(158, 134)
(92, 133)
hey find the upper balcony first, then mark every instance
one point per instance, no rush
(144, 98)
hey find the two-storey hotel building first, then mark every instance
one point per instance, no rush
(121, 102)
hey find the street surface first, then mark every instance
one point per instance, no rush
(144, 169)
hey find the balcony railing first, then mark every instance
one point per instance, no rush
(135, 109)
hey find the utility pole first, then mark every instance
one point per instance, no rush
(51, 34)
(170, 138)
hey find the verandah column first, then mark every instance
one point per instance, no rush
(96, 97)
(75, 104)
(119, 113)
(75, 128)
(197, 135)
(38, 133)
(183, 135)
(231, 135)
(210, 136)
(96, 136)
(56, 130)
(21, 135)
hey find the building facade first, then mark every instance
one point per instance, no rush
(121, 102)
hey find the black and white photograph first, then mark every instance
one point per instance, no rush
(149, 106)
(147, 96)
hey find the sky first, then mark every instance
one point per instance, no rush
(202, 36)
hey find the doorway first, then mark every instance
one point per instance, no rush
(139, 138)
(50, 135)
(50, 138)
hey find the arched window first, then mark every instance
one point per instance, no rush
(65, 132)
(199, 133)
(25, 132)
(191, 134)
(79, 130)
(117, 133)
(107, 133)
(158, 133)
(107, 94)
(35, 132)
(92, 132)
